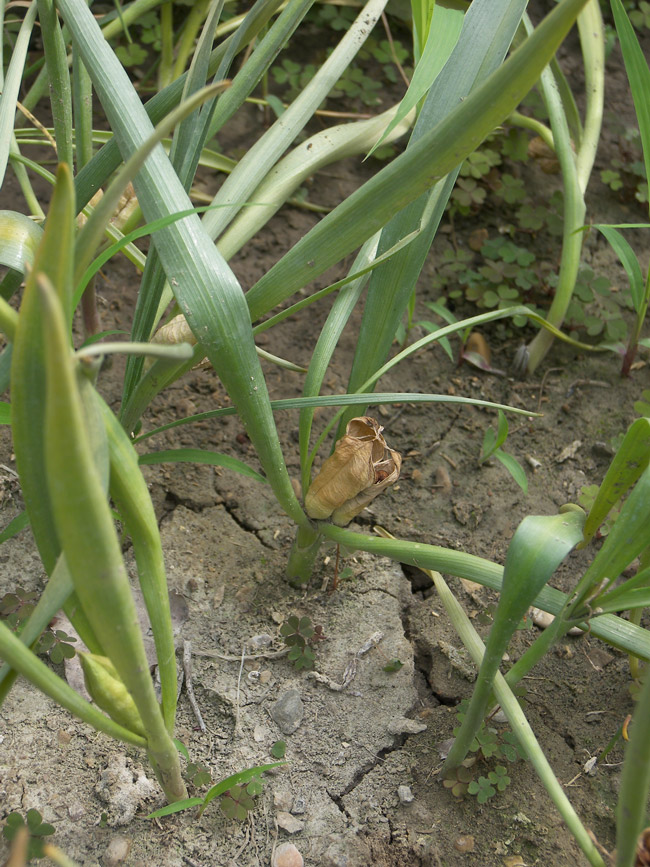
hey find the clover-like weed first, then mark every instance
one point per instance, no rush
(238, 801)
(38, 830)
(298, 634)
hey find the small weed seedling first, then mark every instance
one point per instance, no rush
(490, 746)
(37, 828)
(492, 448)
(299, 634)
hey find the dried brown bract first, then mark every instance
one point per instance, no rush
(361, 467)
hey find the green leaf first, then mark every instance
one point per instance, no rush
(279, 749)
(238, 779)
(182, 749)
(14, 527)
(629, 261)
(514, 468)
(630, 461)
(440, 41)
(393, 666)
(201, 456)
(638, 75)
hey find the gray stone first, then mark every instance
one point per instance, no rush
(405, 794)
(289, 823)
(287, 712)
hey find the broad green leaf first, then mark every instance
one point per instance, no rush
(5, 413)
(201, 456)
(536, 550)
(626, 467)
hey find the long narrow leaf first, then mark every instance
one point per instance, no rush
(638, 74)
(201, 456)
(434, 155)
(206, 289)
(630, 461)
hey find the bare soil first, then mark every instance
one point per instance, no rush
(348, 750)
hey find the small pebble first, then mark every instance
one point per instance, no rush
(288, 711)
(405, 794)
(404, 726)
(265, 675)
(282, 800)
(286, 855)
(117, 851)
(464, 843)
(259, 642)
(289, 823)
(299, 806)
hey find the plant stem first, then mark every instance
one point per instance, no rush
(631, 811)
(614, 630)
(303, 554)
(576, 168)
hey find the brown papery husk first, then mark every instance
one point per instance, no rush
(361, 467)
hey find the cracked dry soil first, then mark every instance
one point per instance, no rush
(360, 786)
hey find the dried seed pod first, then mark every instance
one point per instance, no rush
(109, 693)
(361, 467)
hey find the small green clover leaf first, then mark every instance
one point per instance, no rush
(278, 750)
(301, 657)
(256, 786)
(458, 781)
(198, 774)
(487, 742)
(56, 645)
(297, 631)
(509, 748)
(482, 788)
(35, 825)
(237, 803)
(499, 778)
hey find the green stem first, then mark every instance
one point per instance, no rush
(614, 630)
(191, 28)
(59, 79)
(631, 810)
(534, 125)
(167, 44)
(576, 168)
(303, 555)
